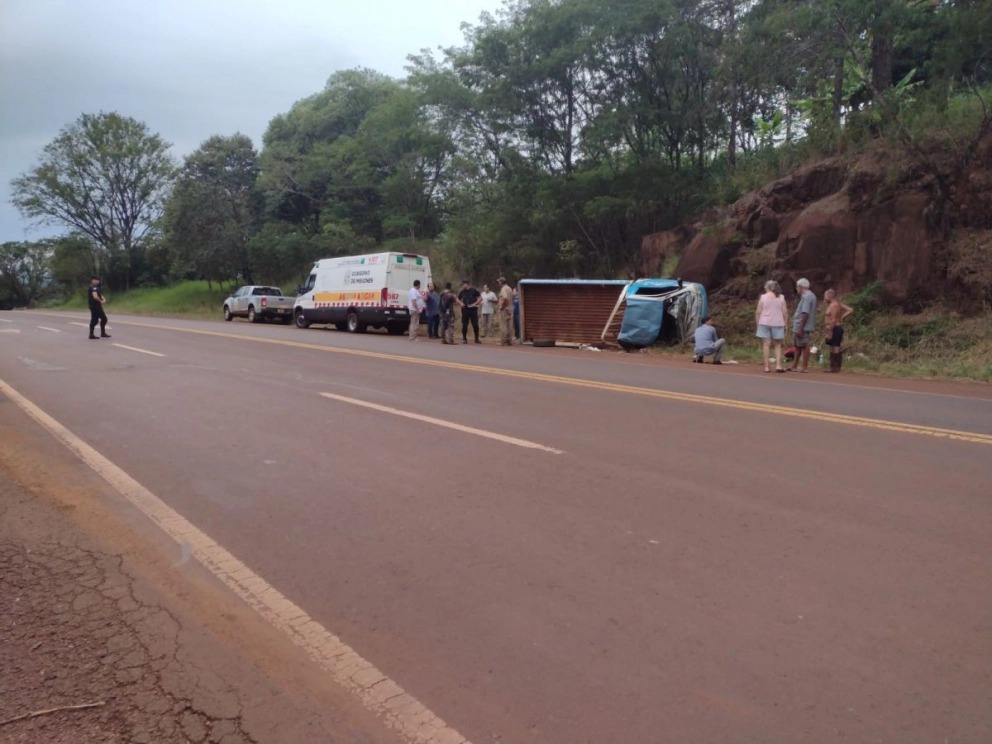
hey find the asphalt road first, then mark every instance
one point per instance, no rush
(607, 548)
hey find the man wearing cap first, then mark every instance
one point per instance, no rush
(469, 298)
(803, 322)
(505, 302)
(708, 342)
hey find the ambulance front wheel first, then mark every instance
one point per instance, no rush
(301, 322)
(354, 324)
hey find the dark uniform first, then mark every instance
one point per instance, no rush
(470, 296)
(97, 314)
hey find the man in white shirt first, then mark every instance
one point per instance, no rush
(416, 305)
(488, 309)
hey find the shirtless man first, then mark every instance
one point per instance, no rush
(837, 311)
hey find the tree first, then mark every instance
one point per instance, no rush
(24, 272)
(212, 213)
(104, 176)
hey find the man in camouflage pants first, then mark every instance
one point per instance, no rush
(447, 308)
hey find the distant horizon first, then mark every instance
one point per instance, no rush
(178, 72)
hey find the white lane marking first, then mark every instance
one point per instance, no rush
(43, 366)
(53, 330)
(415, 722)
(140, 351)
(448, 424)
(84, 325)
(4, 320)
(10, 330)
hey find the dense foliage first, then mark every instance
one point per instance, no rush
(559, 133)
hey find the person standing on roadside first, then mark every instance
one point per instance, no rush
(433, 311)
(489, 300)
(446, 304)
(416, 305)
(770, 318)
(803, 323)
(469, 298)
(97, 313)
(505, 302)
(837, 313)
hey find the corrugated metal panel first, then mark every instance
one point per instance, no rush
(569, 311)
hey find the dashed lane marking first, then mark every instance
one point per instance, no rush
(4, 320)
(140, 351)
(397, 708)
(447, 424)
(10, 330)
(821, 416)
(53, 330)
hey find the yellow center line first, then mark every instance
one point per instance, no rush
(835, 418)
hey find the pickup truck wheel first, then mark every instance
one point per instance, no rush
(252, 318)
(342, 326)
(301, 322)
(286, 319)
(395, 330)
(354, 324)
(227, 313)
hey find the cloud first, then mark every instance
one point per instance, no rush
(191, 68)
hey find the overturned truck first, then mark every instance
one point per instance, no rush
(604, 312)
(660, 311)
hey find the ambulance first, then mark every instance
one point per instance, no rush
(355, 292)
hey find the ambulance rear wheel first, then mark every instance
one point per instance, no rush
(354, 324)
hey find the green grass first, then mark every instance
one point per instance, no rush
(192, 299)
(934, 344)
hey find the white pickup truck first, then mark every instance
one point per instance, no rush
(259, 303)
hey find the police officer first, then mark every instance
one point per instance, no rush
(97, 315)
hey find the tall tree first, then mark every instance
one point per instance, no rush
(24, 271)
(104, 176)
(213, 211)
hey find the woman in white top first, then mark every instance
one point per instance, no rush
(770, 317)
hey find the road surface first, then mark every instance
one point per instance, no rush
(541, 545)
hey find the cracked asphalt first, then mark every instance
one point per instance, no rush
(96, 610)
(75, 632)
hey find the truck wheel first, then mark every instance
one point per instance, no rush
(227, 313)
(301, 322)
(354, 324)
(252, 318)
(286, 319)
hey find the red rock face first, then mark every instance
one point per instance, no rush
(838, 223)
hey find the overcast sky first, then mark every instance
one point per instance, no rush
(191, 68)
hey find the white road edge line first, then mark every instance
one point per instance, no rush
(53, 330)
(377, 692)
(140, 351)
(448, 424)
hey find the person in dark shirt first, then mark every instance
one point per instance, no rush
(433, 311)
(97, 314)
(470, 298)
